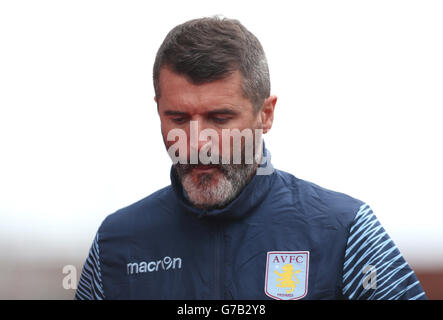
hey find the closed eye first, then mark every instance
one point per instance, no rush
(177, 116)
(179, 120)
(220, 119)
(221, 116)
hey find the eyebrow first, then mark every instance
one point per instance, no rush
(212, 112)
(222, 111)
(175, 113)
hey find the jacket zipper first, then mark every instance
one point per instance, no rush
(218, 263)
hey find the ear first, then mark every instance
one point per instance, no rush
(267, 113)
(156, 101)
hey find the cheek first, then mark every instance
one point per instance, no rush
(168, 129)
(165, 135)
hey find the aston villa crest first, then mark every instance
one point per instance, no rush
(287, 274)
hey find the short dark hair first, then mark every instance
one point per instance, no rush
(212, 48)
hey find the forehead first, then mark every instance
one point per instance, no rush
(178, 92)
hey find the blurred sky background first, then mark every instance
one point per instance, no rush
(360, 98)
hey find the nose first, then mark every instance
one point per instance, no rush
(195, 127)
(200, 139)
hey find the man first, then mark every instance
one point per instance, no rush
(235, 229)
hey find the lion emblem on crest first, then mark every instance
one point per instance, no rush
(285, 280)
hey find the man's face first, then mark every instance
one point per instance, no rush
(216, 105)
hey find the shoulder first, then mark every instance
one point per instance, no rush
(315, 200)
(140, 213)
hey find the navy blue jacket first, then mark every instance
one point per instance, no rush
(281, 238)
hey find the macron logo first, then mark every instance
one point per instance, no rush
(164, 264)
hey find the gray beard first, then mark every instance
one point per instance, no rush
(205, 194)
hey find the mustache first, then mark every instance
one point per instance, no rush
(187, 168)
(226, 169)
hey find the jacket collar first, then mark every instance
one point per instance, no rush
(249, 198)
